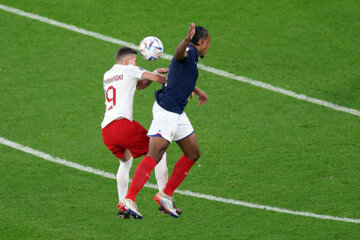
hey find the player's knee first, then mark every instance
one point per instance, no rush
(156, 155)
(198, 154)
(127, 156)
(194, 156)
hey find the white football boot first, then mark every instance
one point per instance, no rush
(166, 202)
(132, 208)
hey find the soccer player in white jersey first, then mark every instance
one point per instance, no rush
(123, 136)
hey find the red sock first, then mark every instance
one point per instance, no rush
(141, 175)
(178, 175)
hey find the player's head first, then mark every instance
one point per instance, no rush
(126, 56)
(201, 40)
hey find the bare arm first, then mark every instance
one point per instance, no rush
(180, 53)
(202, 96)
(148, 78)
(143, 83)
(154, 77)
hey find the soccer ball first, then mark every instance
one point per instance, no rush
(151, 48)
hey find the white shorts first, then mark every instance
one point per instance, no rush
(169, 125)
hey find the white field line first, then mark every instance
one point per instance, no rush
(169, 57)
(187, 193)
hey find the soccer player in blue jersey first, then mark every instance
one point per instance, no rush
(170, 122)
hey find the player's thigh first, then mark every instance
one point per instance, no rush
(190, 147)
(164, 123)
(137, 141)
(157, 147)
(184, 128)
(117, 149)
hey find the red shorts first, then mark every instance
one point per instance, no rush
(124, 134)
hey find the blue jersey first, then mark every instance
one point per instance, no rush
(181, 82)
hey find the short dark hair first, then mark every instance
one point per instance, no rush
(124, 51)
(200, 32)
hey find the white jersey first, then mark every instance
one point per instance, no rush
(119, 88)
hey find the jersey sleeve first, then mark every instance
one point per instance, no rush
(191, 54)
(136, 71)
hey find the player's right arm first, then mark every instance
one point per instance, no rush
(180, 53)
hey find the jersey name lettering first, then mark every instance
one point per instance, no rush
(113, 79)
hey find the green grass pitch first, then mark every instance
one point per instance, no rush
(257, 146)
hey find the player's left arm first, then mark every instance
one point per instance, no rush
(143, 83)
(201, 94)
(148, 78)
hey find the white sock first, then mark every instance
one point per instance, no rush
(122, 178)
(161, 173)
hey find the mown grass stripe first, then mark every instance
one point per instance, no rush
(67, 163)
